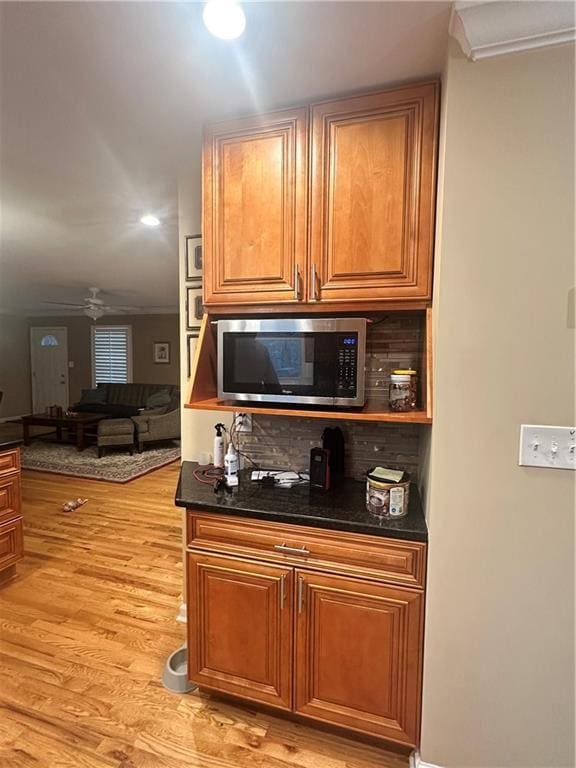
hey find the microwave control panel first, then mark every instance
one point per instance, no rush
(347, 365)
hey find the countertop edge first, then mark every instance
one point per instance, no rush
(310, 521)
(6, 445)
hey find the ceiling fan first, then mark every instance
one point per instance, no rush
(95, 308)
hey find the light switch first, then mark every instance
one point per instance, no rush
(545, 446)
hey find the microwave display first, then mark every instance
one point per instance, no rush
(305, 364)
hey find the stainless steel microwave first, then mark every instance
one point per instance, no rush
(309, 361)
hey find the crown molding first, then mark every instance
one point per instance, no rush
(488, 28)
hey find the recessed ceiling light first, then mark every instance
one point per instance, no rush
(150, 220)
(224, 18)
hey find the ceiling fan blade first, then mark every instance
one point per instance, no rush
(64, 304)
(121, 308)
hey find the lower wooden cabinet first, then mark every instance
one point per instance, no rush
(240, 628)
(10, 494)
(357, 655)
(335, 648)
(11, 547)
(11, 538)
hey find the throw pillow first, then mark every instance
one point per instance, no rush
(158, 399)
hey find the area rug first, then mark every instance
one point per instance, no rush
(114, 467)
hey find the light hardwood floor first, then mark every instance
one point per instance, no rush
(85, 630)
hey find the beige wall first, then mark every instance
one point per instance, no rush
(499, 656)
(15, 354)
(14, 366)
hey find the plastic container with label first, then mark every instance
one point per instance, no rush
(388, 501)
(403, 390)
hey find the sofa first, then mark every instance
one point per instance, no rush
(153, 408)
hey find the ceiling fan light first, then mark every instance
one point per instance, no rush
(94, 313)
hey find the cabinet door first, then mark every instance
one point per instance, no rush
(358, 658)
(240, 628)
(372, 196)
(10, 504)
(11, 547)
(255, 199)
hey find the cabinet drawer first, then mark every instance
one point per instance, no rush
(11, 548)
(9, 497)
(9, 461)
(354, 554)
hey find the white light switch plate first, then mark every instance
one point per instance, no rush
(545, 446)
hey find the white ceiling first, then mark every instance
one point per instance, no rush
(101, 105)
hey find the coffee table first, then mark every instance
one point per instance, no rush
(76, 424)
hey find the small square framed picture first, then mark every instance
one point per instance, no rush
(190, 348)
(194, 257)
(162, 352)
(194, 307)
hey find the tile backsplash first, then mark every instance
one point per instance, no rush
(394, 342)
(283, 442)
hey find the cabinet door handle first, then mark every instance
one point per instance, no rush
(291, 550)
(297, 283)
(282, 590)
(300, 594)
(314, 282)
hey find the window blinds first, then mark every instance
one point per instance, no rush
(111, 354)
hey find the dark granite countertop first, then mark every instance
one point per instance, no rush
(6, 444)
(343, 509)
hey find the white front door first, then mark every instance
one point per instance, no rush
(49, 362)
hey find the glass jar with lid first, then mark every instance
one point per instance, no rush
(403, 390)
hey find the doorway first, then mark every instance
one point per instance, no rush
(49, 365)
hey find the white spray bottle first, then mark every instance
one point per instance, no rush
(231, 464)
(219, 446)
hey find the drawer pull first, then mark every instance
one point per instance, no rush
(300, 593)
(282, 590)
(291, 550)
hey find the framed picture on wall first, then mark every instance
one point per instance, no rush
(194, 307)
(193, 257)
(162, 352)
(190, 346)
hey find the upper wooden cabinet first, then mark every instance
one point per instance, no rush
(255, 202)
(354, 226)
(372, 195)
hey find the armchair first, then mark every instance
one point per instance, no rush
(152, 426)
